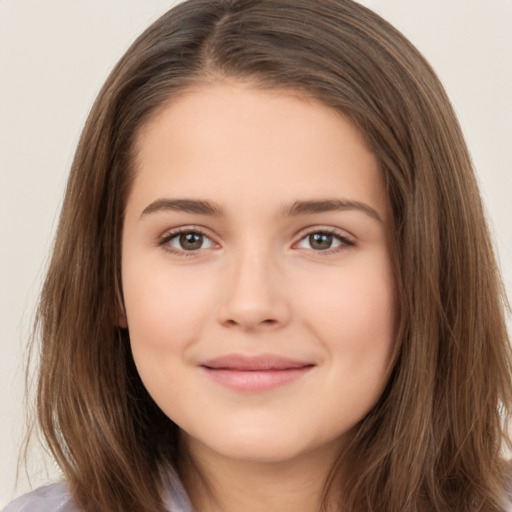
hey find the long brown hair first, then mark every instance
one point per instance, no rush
(435, 439)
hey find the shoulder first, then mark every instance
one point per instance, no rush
(52, 498)
(56, 498)
(177, 499)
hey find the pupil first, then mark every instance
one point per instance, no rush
(320, 241)
(191, 241)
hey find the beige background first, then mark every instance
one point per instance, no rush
(54, 56)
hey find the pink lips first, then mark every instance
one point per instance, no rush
(254, 373)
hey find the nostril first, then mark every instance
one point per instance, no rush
(248, 324)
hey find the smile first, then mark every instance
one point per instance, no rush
(254, 373)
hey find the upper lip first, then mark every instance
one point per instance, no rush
(259, 362)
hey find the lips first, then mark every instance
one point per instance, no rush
(254, 373)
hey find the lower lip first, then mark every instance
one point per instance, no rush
(255, 380)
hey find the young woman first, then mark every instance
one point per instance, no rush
(272, 286)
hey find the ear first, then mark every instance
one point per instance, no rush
(122, 321)
(118, 316)
(118, 310)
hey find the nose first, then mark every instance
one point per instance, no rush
(255, 297)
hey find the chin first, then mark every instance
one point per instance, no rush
(258, 446)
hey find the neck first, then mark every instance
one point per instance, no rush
(219, 484)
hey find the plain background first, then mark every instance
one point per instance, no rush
(54, 56)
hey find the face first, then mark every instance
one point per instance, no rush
(256, 272)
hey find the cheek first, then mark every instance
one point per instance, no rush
(165, 310)
(360, 297)
(353, 315)
(166, 313)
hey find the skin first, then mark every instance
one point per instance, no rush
(258, 283)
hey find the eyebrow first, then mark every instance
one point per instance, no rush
(183, 205)
(296, 209)
(328, 205)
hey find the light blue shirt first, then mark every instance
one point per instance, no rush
(56, 498)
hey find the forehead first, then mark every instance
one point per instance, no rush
(228, 102)
(230, 138)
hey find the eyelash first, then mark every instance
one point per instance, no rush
(345, 242)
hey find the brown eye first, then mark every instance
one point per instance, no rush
(187, 241)
(323, 241)
(191, 241)
(320, 241)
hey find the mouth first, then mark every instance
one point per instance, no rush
(255, 373)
